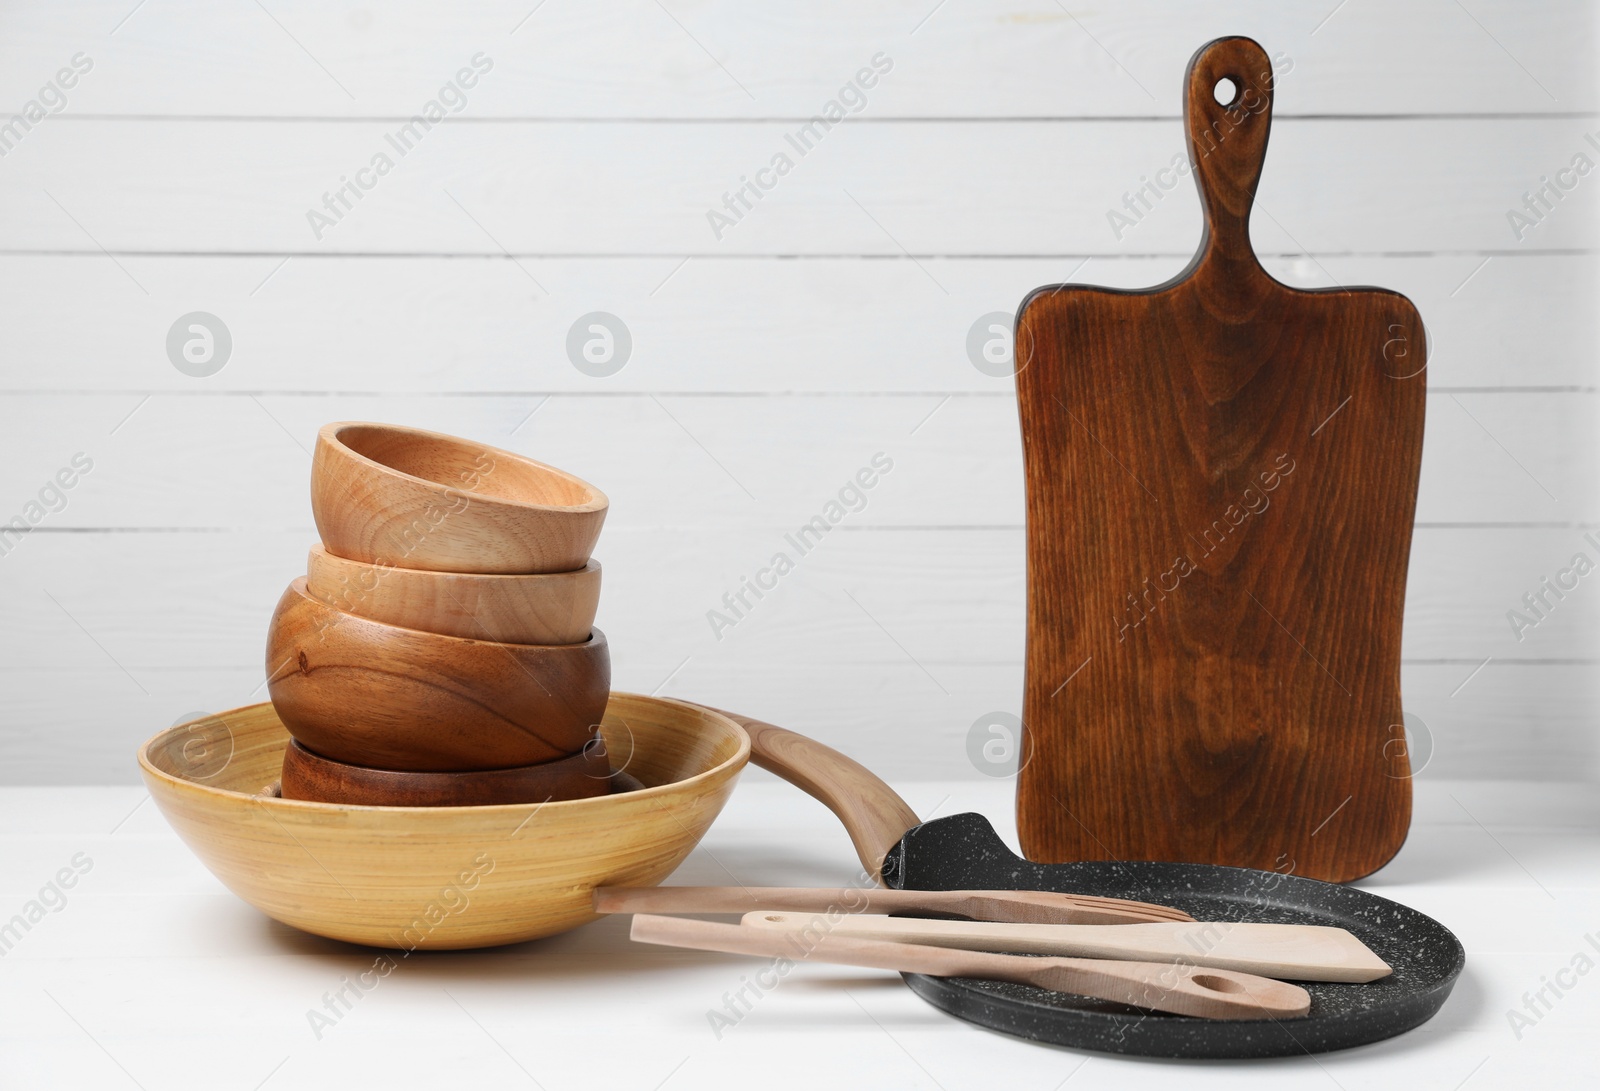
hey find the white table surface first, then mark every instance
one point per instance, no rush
(153, 975)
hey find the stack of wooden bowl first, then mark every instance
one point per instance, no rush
(440, 649)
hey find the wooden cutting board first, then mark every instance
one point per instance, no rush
(1221, 481)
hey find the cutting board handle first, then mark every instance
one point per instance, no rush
(1227, 144)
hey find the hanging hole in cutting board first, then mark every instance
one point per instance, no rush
(1225, 92)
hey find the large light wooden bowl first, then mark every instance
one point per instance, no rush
(536, 608)
(360, 691)
(442, 877)
(402, 496)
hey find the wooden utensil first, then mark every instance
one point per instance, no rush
(1292, 952)
(390, 495)
(311, 776)
(878, 821)
(363, 692)
(1183, 990)
(539, 608)
(1221, 479)
(445, 877)
(963, 852)
(1035, 906)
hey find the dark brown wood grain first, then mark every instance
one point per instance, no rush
(361, 691)
(1221, 481)
(310, 776)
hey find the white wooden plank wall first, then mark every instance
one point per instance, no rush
(770, 360)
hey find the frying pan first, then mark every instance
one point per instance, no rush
(963, 852)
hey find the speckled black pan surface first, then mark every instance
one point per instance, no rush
(963, 852)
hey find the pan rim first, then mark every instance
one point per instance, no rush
(1120, 1033)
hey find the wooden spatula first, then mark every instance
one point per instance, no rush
(1184, 990)
(1036, 906)
(1294, 952)
(1221, 479)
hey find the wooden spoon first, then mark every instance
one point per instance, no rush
(1296, 952)
(1182, 990)
(1026, 906)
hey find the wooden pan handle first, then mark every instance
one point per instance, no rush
(1227, 144)
(873, 815)
(1184, 990)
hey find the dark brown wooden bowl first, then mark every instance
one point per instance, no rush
(360, 691)
(311, 776)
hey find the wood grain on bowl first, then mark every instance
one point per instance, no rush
(310, 776)
(534, 608)
(448, 877)
(360, 691)
(390, 495)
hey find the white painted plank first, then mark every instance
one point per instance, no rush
(709, 60)
(1514, 720)
(1504, 457)
(1535, 721)
(736, 324)
(931, 189)
(153, 602)
(1517, 720)
(241, 461)
(704, 486)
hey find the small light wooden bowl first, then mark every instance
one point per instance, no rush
(446, 877)
(313, 777)
(363, 692)
(541, 608)
(389, 495)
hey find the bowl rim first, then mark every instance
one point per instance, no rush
(311, 757)
(329, 434)
(590, 569)
(300, 585)
(727, 767)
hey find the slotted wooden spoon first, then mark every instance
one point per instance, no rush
(1183, 990)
